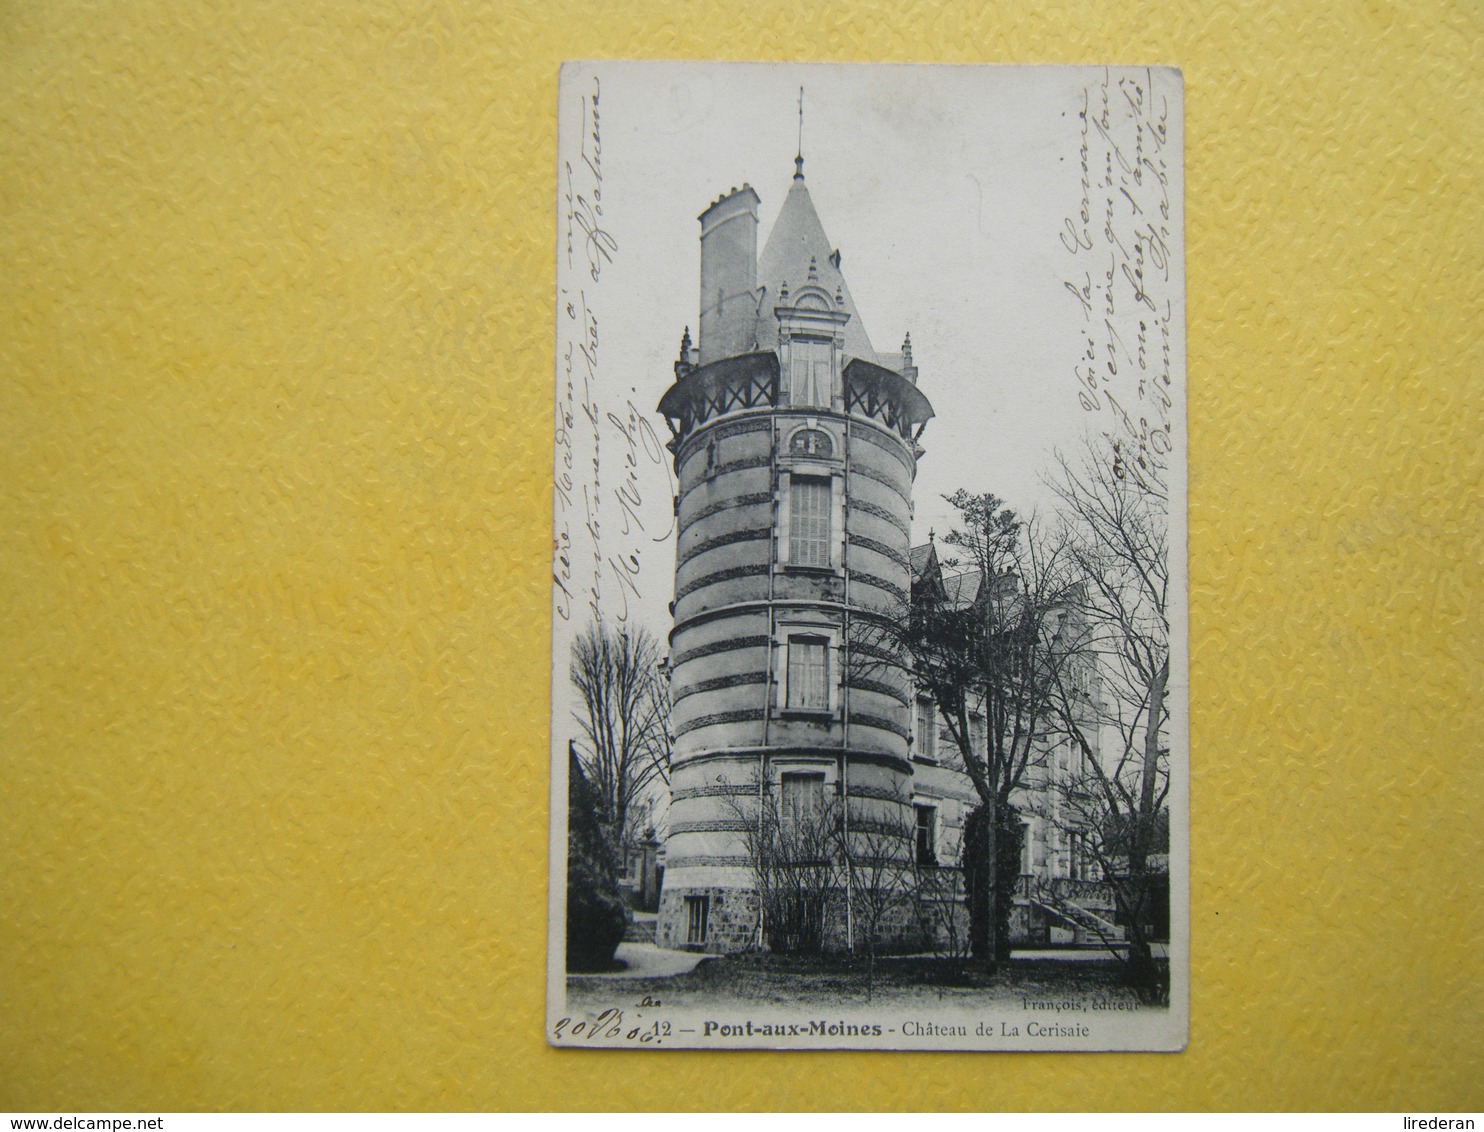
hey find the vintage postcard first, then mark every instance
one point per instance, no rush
(869, 672)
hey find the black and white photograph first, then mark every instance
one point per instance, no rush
(869, 648)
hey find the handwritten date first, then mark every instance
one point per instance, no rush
(609, 1026)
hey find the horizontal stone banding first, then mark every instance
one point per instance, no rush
(881, 828)
(889, 552)
(877, 794)
(879, 583)
(705, 861)
(758, 570)
(882, 513)
(741, 464)
(749, 789)
(748, 500)
(704, 432)
(719, 790)
(751, 754)
(716, 825)
(882, 688)
(882, 862)
(742, 715)
(760, 606)
(894, 445)
(731, 538)
(886, 655)
(881, 478)
(734, 680)
(685, 656)
(880, 723)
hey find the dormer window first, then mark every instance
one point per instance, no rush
(811, 373)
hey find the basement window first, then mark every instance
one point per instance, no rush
(697, 913)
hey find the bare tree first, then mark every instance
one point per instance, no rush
(1118, 518)
(876, 847)
(938, 898)
(1004, 653)
(816, 864)
(625, 743)
(992, 646)
(791, 846)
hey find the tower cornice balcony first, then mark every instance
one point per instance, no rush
(746, 381)
(884, 395)
(751, 381)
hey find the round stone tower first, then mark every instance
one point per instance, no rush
(795, 449)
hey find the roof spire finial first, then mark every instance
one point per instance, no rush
(799, 160)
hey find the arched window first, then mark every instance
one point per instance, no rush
(811, 442)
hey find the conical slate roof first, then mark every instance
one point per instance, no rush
(798, 237)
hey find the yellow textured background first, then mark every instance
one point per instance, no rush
(275, 336)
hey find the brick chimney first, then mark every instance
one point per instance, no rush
(729, 275)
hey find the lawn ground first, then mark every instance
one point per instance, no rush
(910, 982)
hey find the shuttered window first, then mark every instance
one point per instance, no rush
(811, 366)
(927, 835)
(803, 797)
(927, 731)
(808, 673)
(809, 522)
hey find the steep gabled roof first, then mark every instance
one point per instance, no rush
(963, 589)
(797, 238)
(924, 558)
(960, 589)
(927, 573)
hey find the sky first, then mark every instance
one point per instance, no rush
(947, 191)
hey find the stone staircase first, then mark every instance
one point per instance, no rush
(641, 928)
(1087, 927)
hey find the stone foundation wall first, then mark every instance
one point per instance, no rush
(900, 930)
(731, 920)
(731, 924)
(942, 927)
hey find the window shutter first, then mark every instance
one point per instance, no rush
(810, 522)
(837, 522)
(780, 675)
(785, 485)
(808, 673)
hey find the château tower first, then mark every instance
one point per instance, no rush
(795, 447)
